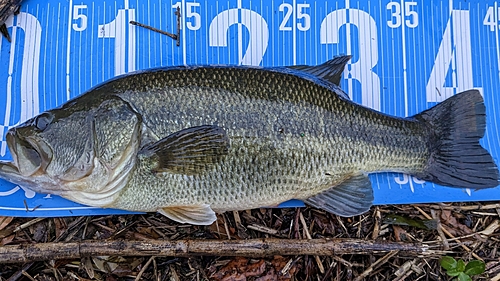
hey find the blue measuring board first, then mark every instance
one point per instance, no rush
(406, 57)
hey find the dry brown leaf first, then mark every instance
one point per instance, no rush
(239, 269)
(400, 234)
(60, 226)
(279, 263)
(40, 231)
(148, 232)
(7, 240)
(4, 221)
(324, 224)
(453, 226)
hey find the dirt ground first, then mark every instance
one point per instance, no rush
(467, 231)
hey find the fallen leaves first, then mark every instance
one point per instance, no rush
(239, 269)
(453, 225)
(6, 235)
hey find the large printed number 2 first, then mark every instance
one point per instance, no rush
(361, 70)
(256, 25)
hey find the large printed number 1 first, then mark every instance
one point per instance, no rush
(117, 29)
(361, 70)
(256, 25)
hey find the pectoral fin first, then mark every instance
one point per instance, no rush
(352, 197)
(189, 151)
(198, 214)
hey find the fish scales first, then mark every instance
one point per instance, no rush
(290, 137)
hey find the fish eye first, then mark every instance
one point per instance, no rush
(43, 120)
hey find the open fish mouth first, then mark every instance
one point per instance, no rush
(29, 155)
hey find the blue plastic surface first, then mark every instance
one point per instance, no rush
(407, 56)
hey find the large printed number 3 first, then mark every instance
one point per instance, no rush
(256, 25)
(361, 70)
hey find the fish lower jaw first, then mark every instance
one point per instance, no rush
(104, 198)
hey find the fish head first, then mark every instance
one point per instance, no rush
(50, 149)
(79, 153)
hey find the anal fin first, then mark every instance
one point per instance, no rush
(194, 214)
(350, 198)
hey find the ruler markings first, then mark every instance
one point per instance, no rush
(207, 54)
(294, 32)
(57, 55)
(495, 13)
(92, 44)
(494, 87)
(44, 79)
(492, 147)
(103, 43)
(183, 23)
(68, 50)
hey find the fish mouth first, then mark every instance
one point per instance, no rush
(31, 155)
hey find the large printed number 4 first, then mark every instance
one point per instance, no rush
(455, 55)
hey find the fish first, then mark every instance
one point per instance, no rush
(192, 141)
(7, 8)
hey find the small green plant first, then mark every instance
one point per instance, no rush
(460, 269)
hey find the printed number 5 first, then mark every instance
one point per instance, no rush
(190, 13)
(77, 16)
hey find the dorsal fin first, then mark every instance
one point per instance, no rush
(330, 71)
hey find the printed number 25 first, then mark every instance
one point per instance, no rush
(302, 26)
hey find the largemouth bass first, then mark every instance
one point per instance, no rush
(192, 141)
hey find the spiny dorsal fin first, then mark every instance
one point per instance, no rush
(195, 214)
(189, 151)
(330, 71)
(350, 198)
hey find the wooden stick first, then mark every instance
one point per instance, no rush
(185, 248)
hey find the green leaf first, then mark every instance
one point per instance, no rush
(448, 263)
(461, 265)
(464, 277)
(474, 267)
(453, 272)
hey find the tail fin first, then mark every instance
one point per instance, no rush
(457, 159)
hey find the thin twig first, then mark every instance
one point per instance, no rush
(139, 275)
(375, 265)
(308, 235)
(171, 35)
(28, 224)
